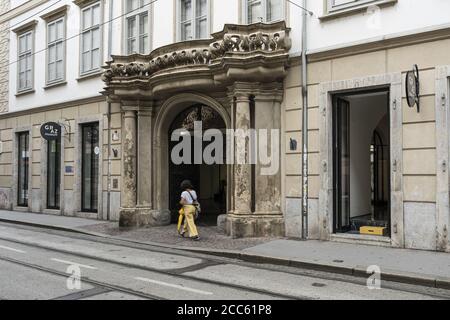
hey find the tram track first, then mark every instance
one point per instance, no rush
(172, 273)
(211, 260)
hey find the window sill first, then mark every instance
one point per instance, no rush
(55, 84)
(356, 9)
(24, 92)
(91, 75)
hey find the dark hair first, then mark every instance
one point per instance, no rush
(186, 184)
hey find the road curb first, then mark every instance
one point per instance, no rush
(357, 271)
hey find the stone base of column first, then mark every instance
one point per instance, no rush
(143, 217)
(252, 226)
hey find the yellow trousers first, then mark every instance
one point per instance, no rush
(187, 212)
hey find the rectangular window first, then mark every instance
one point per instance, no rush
(264, 10)
(193, 19)
(25, 61)
(90, 167)
(90, 38)
(56, 47)
(23, 169)
(53, 173)
(335, 5)
(137, 26)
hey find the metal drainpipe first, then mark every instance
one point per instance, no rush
(304, 126)
(108, 202)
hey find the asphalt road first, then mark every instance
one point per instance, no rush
(37, 263)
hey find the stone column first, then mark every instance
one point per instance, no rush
(145, 208)
(129, 166)
(268, 174)
(265, 219)
(242, 167)
(144, 138)
(239, 221)
(268, 168)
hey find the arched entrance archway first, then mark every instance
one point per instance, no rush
(209, 180)
(171, 114)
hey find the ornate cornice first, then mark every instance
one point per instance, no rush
(257, 52)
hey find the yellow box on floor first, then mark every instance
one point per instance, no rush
(374, 231)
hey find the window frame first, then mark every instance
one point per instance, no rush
(245, 11)
(20, 56)
(62, 41)
(193, 20)
(331, 11)
(90, 30)
(26, 168)
(137, 14)
(94, 187)
(333, 8)
(57, 176)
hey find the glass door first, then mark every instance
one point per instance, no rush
(53, 173)
(23, 169)
(341, 172)
(90, 167)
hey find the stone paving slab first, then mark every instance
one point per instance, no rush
(211, 238)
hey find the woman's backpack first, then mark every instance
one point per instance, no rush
(197, 206)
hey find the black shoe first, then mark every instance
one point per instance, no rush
(197, 238)
(182, 234)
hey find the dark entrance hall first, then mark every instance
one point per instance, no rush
(210, 181)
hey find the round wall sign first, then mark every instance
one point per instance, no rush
(51, 131)
(412, 87)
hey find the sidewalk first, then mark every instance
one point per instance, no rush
(402, 265)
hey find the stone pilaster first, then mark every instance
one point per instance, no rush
(242, 166)
(129, 167)
(268, 170)
(136, 204)
(265, 219)
(144, 138)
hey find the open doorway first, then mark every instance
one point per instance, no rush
(210, 181)
(361, 163)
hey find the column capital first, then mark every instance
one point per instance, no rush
(146, 112)
(269, 95)
(241, 90)
(129, 109)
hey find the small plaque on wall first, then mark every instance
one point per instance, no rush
(293, 144)
(69, 169)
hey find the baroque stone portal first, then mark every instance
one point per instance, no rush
(239, 73)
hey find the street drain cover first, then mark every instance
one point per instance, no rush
(338, 261)
(319, 285)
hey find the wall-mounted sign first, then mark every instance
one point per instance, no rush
(413, 88)
(69, 169)
(51, 131)
(293, 144)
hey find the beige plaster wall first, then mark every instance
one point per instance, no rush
(71, 116)
(419, 129)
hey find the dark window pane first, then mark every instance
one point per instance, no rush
(53, 174)
(90, 168)
(22, 188)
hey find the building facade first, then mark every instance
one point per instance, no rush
(126, 80)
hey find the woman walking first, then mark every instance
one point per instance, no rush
(189, 202)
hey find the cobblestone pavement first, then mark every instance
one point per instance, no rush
(210, 236)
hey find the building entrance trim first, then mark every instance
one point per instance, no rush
(166, 115)
(443, 157)
(393, 83)
(239, 73)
